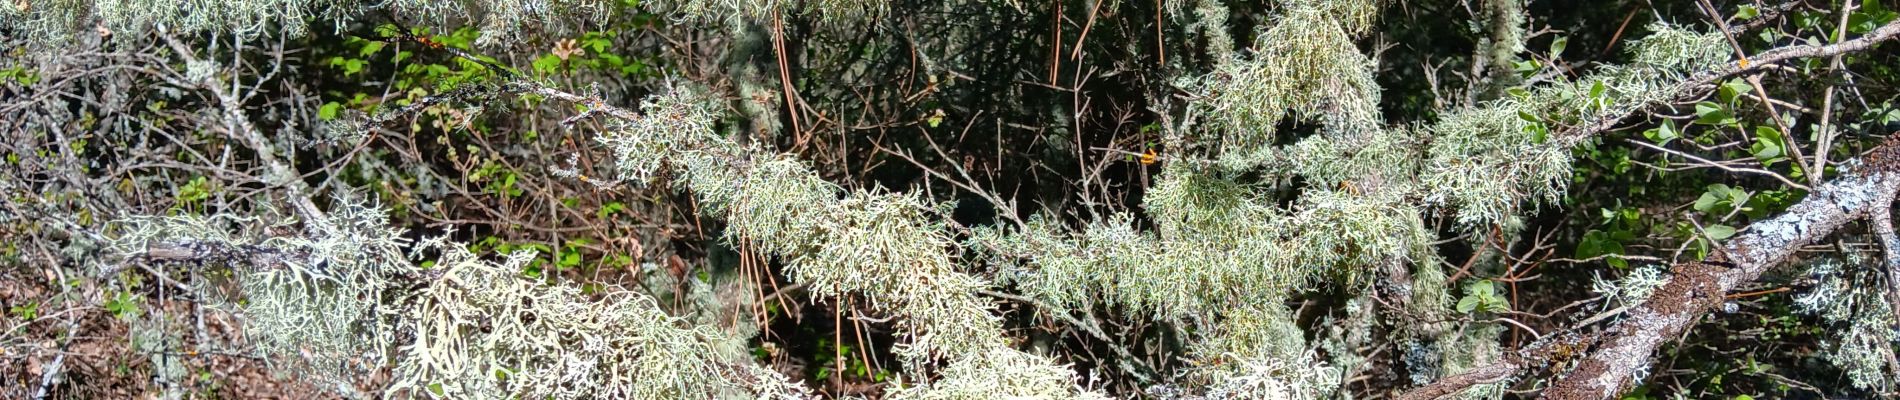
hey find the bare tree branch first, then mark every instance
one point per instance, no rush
(239, 126)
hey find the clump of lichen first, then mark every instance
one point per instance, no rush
(499, 20)
(1862, 342)
(1305, 66)
(340, 300)
(885, 249)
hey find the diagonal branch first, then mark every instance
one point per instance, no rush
(238, 125)
(1622, 354)
(1759, 62)
(1698, 287)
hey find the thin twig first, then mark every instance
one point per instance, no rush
(1520, 325)
(1717, 165)
(1092, 328)
(1827, 101)
(1794, 148)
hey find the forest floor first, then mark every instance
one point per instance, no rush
(99, 360)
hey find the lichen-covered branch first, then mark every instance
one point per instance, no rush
(1757, 63)
(1697, 288)
(1622, 354)
(1701, 75)
(883, 247)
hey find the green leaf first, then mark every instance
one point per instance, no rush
(1738, 197)
(1662, 134)
(123, 305)
(1747, 12)
(370, 47)
(1719, 232)
(1770, 134)
(350, 66)
(1598, 243)
(1539, 132)
(1557, 45)
(1714, 195)
(1768, 35)
(1483, 296)
(596, 43)
(387, 29)
(612, 61)
(1768, 144)
(546, 65)
(1468, 304)
(609, 209)
(1731, 90)
(1526, 68)
(1708, 113)
(1701, 247)
(1706, 202)
(1766, 151)
(194, 191)
(570, 258)
(26, 312)
(19, 74)
(328, 111)
(1497, 306)
(1870, 17)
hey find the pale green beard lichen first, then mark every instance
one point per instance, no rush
(736, 14)
(1484, 161)
(883, 248)
(499, 20)
(1306, 66)
(342, 301)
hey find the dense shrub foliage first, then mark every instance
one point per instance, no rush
(965, 199)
